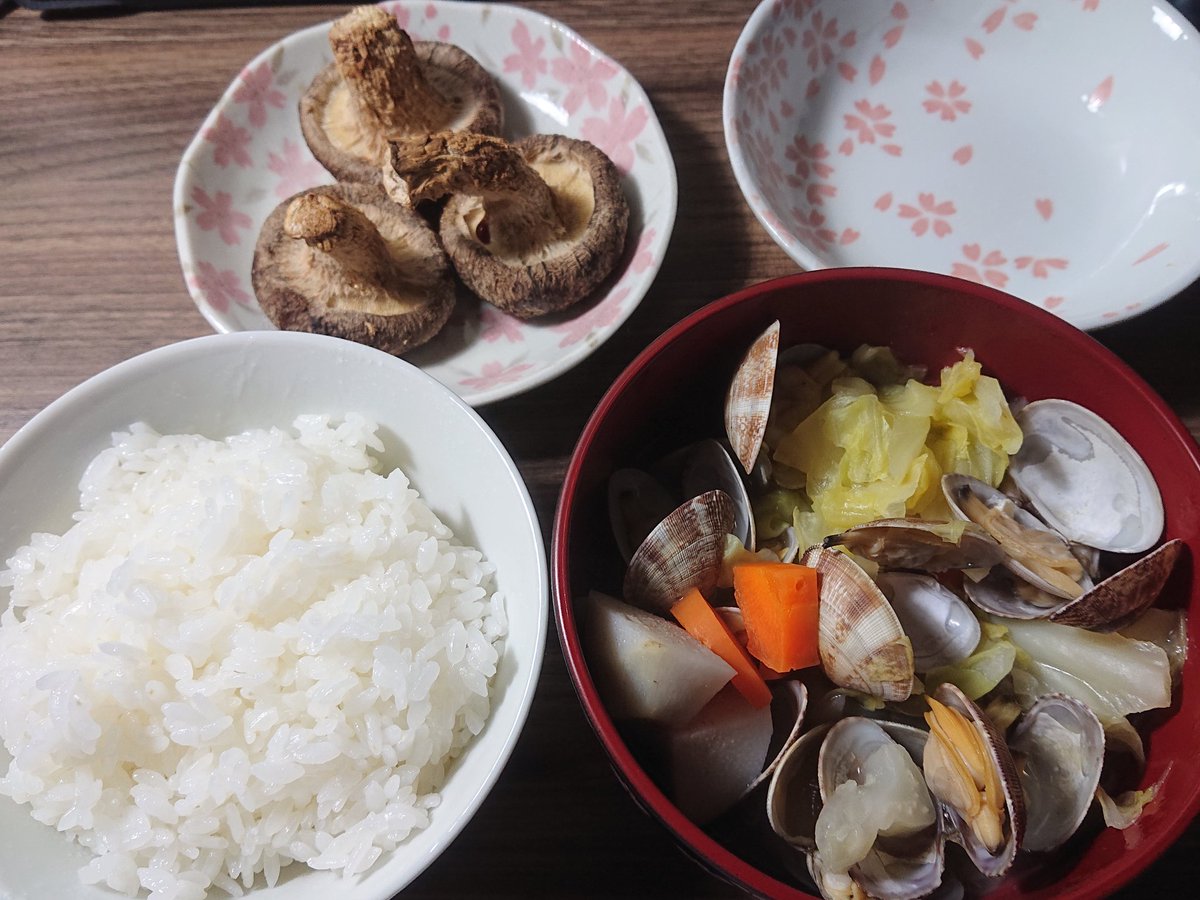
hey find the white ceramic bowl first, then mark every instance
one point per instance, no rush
(249, 155)
(1042, 148)
(224, 384)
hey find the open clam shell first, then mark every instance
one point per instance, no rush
(897, 870)
(1123, 596)
(990, 863)
(923, 544)
(683, 551)
(1060, 744)
(748, 401)
(708, 466)
(793, 792)
(974, 500)
(942, 628)
(860, 639)
(637, 502)
(1085, 480)
(1002, 593)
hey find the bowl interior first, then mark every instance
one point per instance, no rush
(673, 393)
(1014, 144)
(250, 155)
(224, 384)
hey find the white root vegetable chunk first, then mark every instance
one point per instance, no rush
(715, 756)
(646, 667)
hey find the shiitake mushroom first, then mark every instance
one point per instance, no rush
(531, 227)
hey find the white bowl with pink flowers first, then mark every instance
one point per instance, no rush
(249, 155)
(1050, 148)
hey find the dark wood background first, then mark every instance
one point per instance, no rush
(94, 114)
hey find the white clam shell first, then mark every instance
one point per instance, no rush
(1085, 480)
(1061, 767)
(942, 628)
(708, 466)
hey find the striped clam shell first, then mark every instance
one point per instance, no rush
(861, 642)
(684, 551)
(1123, 596)
(748, 401)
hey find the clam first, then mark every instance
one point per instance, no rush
(942, 628)
(1107, 606)
(636, 503)
(924, 544)
(748, 401)
(1059, 745)
(1122, 597)
(708, 466)
(861, 642)
(872, 827)
(1032, 551)
(683, 551)
(970, 770)
(1085, 480)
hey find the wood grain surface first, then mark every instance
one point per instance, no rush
(94, 115)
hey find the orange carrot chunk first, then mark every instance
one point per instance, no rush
(779, 602)
(703, 623)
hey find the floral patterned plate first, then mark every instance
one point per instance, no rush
(249, 155)
(1023, 144)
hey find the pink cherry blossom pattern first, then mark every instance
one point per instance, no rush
(1151, 253)
(1100, 94)
(980, 267)
(884, 203)
(1040, 267)
(871, 123)
(963, 154)
(876, 72)
(946, 100)
(495, 373)
(1044, 207)
(431, 11)
(258, 91)
(818, 39)
(400, 12)
(218, 288)
(528, 59)
(892, 37)
(928, 215)
(584, 76)
(1053, 302)
(643, 255)
(229, 142)
(809, 160)
(761, 155)
(974, 47)
(218, 213)
(615, 135)
(812, 229)
(296, 169)
(603, 314)
(497, 326)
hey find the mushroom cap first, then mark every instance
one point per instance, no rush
(455, 74)
(555, 282)
(297, 298)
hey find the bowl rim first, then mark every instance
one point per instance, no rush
(646, 794)
(26, 439)
(800, 252)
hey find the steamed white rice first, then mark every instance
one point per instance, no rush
(245, 652)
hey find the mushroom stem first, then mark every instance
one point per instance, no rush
(516, 199)
(344, 245)
(379, 66)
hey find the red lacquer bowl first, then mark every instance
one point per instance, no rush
(673, 393)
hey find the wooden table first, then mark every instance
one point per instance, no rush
(94, 115)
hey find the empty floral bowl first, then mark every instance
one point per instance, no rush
(1023, 145)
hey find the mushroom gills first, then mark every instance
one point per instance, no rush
(574, 201)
